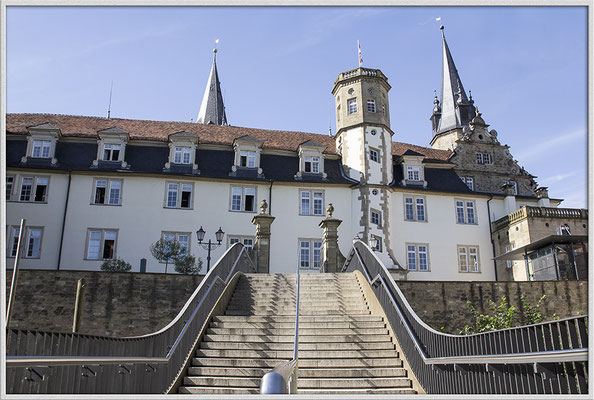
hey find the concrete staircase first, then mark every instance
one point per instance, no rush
(342, 347)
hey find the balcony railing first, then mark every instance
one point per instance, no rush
(539, 212)
(360, 71)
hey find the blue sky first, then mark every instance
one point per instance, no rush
(526, 68)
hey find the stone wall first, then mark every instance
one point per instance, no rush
(119, 304)
(443, 304)
(126, 304)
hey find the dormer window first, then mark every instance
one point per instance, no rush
(413, 173)
(413, 170)
(311, 160)
(312, 164)
(41, 149)
(41, 143)
(247, 156)
(182, 153)
(111, 152)
(111, 148)
(247, 159)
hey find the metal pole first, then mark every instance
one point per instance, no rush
(15, 272)
(80, 293)
(208, 256)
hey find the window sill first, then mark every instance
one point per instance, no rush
(178, 208)
(105, 205)
(415, 220)
(26, 202)
(312, 215)
(469, 272)
(241, 211)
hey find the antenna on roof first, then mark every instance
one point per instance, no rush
(109, 105)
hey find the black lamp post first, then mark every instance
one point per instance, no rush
(373, 243)
(209, 246)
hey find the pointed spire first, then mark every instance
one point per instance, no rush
(212, 109)
(456, 110)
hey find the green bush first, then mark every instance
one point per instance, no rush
(115, 265)
(188, 265)
(503, 316)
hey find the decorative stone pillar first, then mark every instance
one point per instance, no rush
(510, 198)
(332, 258)
(543, 197)
(262, 244)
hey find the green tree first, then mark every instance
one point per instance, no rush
(115, 265)
(188, 265)
(167, 251)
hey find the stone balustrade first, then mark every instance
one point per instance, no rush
(539, 212)
(361, 71)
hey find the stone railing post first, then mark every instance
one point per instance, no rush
(332, 257)
(262, 243)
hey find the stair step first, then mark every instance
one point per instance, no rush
(290, 338)
(302, 331)
(302, 324)
(245, 382)
(304, 354)
(327, 363)
(358, 391)
(303, 372)
(291, 302)
(302, 346)
(305, 318)
(289, 312)
(272, 309)
(359, 383)
(217, 390)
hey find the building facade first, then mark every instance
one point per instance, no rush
(94, 189)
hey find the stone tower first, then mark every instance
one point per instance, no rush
(482, 162)
(364, 140)
(455, 110)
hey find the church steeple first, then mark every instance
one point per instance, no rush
(212, 109)
(456, 108)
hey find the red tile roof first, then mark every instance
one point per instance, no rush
(81, 126)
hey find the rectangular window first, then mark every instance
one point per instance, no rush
(182, 155)
(310, 253)
(108, 191)
(33, 189)
(384, 110)
(243, 198)
(414, 209)
(14, 240)
(41, 149)
(468, 260)
(371, 105)
(376, 218)
(111, 152)
(486, 158)
(311, 202)
(373, 155)
(413, 173)
(469, 182)
(179, 195)
(9, 183)
(352, 106)
(312, 164)
(101, 244)
(26, 189)
(465, 212)
(417, 257)
(247, 241)
(247, 159)
(182, 238)
(33, 242)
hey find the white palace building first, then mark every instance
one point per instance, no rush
(95, 188)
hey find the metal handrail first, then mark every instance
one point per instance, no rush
(550, 356)
(218, 277)
(283, 378)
